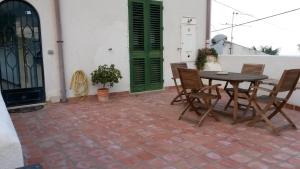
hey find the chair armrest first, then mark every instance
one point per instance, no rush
(216, 87)
(265, 89)
(226, 85)
(210, 87)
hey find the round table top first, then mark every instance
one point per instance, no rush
(231, 76)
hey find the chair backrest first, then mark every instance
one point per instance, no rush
(190, 79)
(288, 81)
(253, 69)
(175, 66)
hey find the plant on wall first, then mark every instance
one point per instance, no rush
(267, 50)
(202, 57)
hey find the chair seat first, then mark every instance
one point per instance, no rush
(203, 95)
(242, 93)
(266, 99)
(241, 90)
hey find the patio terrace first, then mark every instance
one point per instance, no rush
(142, 132)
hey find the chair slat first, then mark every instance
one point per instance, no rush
(190, 79)
(175, 66)
(288, 80)
(253, 69)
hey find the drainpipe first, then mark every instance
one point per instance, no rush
(60, 42)
(208, 23)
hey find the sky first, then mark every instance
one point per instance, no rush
(281, 32)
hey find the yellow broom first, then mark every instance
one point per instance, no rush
(79, 84)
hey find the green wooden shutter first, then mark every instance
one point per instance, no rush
(138, 34)
(155, 25)
(155, 45)
(138, 66)
(145, 25)
(137, 45)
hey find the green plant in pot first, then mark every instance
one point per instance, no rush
(205, 55)
(106, 76)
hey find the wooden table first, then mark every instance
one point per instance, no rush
(234, 79)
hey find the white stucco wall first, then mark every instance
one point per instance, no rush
(45, 9)
(274, 66)
(91, 28)
(48, 32)
(174, 10)
(239, 50)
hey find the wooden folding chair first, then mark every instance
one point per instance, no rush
(195, 92)
(180, 96)
(252, 69)
(287, 83)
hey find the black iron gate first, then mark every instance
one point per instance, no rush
(21, 61)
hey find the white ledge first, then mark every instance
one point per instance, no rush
(11, 156)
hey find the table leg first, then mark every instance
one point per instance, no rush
(235, 86)
(210, 83)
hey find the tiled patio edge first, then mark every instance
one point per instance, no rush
(292, 107)
(288, 106)
(127, 93)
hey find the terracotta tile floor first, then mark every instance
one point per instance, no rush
(142, 132)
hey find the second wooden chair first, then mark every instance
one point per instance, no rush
(196, 92)
(180, 96)
(252, 69)
(287, 84)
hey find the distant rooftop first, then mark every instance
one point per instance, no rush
(223, 47)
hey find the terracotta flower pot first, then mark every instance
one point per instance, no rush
(102, 94)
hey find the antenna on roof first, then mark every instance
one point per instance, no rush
(232, 25)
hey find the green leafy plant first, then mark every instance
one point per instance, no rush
(106, 75)
(202, 57)
(267, 50)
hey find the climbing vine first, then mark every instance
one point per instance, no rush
(202, 57)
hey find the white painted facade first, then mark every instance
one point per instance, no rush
(91, 27)
(239, 50)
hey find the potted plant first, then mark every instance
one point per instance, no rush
(106, 76)
(206, 55)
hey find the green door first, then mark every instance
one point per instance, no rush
(146, 48)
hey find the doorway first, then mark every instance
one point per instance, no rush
(146, 45)
(21, 56)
